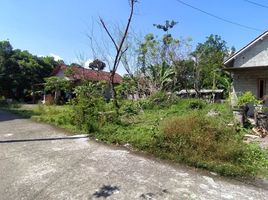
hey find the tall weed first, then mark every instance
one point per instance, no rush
(204, 143)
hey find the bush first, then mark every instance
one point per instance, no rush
(204, 143)
(144, 104)
(129, 108)
(161, 100)
(87, 106)
(246, 98)
(197, 104)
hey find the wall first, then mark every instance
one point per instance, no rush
(257, 55)
(247, 80)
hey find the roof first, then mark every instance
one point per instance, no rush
(204, 91)
(88, 74)
(232, 57)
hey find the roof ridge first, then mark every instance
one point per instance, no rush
(260, 37)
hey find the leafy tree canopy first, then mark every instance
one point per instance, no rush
(209, 58)
(20, 70)
(97, 65)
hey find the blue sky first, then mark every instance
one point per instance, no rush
(59, 26)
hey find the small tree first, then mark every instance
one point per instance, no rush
(120, 50)
(55, 85)
(97, 65)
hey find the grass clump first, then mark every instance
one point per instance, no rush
(203, 142)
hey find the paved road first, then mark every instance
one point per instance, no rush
(38, 161)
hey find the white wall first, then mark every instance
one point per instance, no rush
(257, 55)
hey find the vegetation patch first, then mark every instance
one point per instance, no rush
(179, 132)
(205, 143)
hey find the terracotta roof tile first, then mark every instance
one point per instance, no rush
(88, 74)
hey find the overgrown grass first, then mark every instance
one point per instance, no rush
(55, 115)
(179, 130)
(204, 142)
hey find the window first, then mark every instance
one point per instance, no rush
(261, 88)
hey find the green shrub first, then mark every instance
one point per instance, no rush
(87, 105)
(129, 108)
(246, 98)
(197, 104)
(162, 99)
(145, 104)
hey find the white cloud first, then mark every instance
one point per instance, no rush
(86, 63)
(83, 63)
(56, 57)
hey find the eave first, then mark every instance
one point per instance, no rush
(232, 57)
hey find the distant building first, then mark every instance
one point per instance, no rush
(77, 73)
(208, 94)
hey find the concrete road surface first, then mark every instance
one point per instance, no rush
(38, 161)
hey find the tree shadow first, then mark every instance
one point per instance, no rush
(7, 115)
(106, 191)
(148, 195)
(151, 195)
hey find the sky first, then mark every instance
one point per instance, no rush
(60, 27)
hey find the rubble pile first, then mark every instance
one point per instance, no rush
(259, 131)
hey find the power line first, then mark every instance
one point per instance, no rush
(257, 4)
(220, 18)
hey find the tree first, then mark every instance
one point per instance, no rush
(97, 65)
(184, 74)
(209, 58)
(20, 71)
(119, 49)
(160, 62)
(165, 27)
(55, 85)
(6, 68)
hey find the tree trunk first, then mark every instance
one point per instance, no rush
(114, 95)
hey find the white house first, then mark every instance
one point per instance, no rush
(249, 68)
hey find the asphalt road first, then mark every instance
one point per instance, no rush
(38, 161)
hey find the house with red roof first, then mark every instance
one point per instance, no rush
(80, 73)
(77, 74)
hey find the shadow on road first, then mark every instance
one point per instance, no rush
(106, 191)
(151, 195)
(6, 116)
(42, 139)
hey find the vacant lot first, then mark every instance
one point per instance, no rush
(181, 131)
(38, 161)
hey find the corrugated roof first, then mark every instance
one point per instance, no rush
(193, 91)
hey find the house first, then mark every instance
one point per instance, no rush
(76, 74)
(249, 69)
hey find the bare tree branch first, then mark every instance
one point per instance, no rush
(119, 51)
(109, 34)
